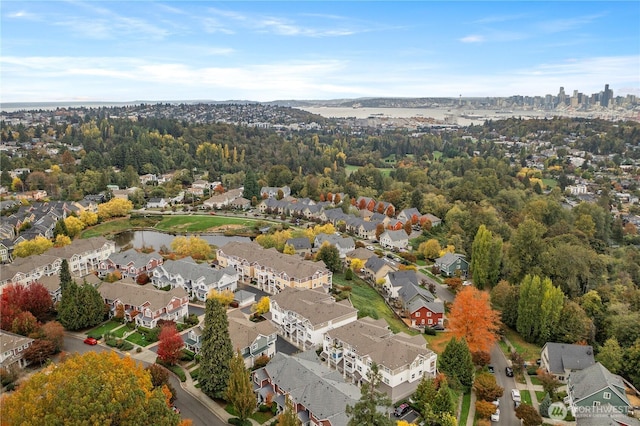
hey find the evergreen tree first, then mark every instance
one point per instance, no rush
(544, 405)
(456, 363)
(251, 188)
(486, 255)
(239, 390)
(425, 394)
(65, 276)
(443, 402)
(216, 350)
(365, 411)
(80, 307)
(60, 228)
(68, 309)
(416, 199)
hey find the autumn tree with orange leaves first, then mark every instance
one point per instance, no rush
(473, 318)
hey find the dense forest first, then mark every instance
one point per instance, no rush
(469, 177)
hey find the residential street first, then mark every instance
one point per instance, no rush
(507, 412)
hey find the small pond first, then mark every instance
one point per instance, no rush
(156, 239)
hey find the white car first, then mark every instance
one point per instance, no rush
(496, 403)
(515, 395)
(495, 417)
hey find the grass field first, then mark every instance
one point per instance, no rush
(119, 225)
(199, 223)
(535, 380)
(464, 412)
(350, 169)
(529, 351)
(137, 338)
(102, 329)
(550, 183)
(540, 395)
(365, 297)
(526, 396)
(438, 342)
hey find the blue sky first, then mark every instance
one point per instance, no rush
(263, 51)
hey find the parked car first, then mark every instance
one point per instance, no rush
(438, 327)
(495, 417)
(516, 404)
(91, 341)
(496, 403)
(175, 409)
(491, 369)
(508, 371)
(515, 395)
(401, 410)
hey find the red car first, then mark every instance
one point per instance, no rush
(91, 341)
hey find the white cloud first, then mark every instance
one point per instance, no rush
(474, 38)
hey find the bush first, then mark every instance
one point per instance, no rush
(532, 370)
(138, 349)
(7, 376)
(429, 331)
(125, 346)
(187, 355)
(264, 408)
(236, 421)
(261, 361)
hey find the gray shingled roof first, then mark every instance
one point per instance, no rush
(316, 306)
(564, 356)
(593, 379)
(320, 389)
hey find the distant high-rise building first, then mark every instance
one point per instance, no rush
(607, 96)
(562, 97)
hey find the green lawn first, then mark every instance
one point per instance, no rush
(137, 338)
(529, 351)
(119, 332)
(464, 412)
(540, 395)
(364, 297)
(384, 170)
(535, 380)
(199, 223)
(526, 396)
(119, 225)
(104, 328)
(550, 183)
(261, 417)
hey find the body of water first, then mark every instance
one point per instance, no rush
(156, 239)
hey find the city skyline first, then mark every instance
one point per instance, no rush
(265, 51)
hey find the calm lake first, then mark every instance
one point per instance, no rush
(156, 240)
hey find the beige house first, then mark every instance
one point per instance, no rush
(272, 271)
(402, 359)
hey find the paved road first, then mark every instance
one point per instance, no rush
(507, 412)
(442, 292)
(190, 407)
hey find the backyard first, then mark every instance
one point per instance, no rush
(368, 301)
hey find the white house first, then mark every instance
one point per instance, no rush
(197, 279)
(402, 359)
(12, 347)
(343, 244)
(303, 316)
(394, 239)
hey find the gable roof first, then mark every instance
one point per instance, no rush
(137, 295)
(132, 256)
(301, 243)
(396, 236)
(243, 332)
(563, 356)
(450, 258)
(595, 378)
(316, 306)
(321, 390)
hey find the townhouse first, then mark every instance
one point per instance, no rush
(12, 348)
(145, 305)
(130, 263)
(196, 279)
(252, 339)
(303, 316)
(319, 397)
(403, 289)
(83, 256)
(343, 244)
(272, 271)
(398, 240)
(402, 359)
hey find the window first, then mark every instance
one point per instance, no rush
(606, 395)
(418, 314)
(428, 313)
(596, 403)
(413, 376)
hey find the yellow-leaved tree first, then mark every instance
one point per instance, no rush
(278, 239)
(193, 246)
(262, 306)
(89, 218)
(357, 264)
(312, 233)
(116, 207)
(92, 388)
(27, 248)
(61, 241)
(74, 226)
(289, 249)
(225, 297)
